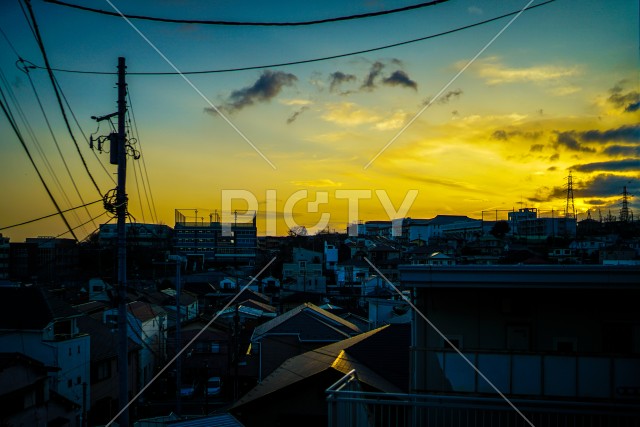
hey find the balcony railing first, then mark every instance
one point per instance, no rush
(349, 405)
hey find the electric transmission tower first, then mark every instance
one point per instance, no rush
(570, 210)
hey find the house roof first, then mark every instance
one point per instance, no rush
(144, 311)
(380, 357)
(31, 308)
(249, 294)
(259, 305)
(18, 371)
(91, 307)
(318, 324)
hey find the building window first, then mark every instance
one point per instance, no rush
(78, 380)
(69, 383)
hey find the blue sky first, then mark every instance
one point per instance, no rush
(554, 92)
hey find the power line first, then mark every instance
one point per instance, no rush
(303, 61)
(50, 215)
(9, 116)
(55, 140)
(75, 119)
(252, 24)
(55, 89)
(144, 164)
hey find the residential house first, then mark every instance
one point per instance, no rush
(46, 329)
(26, 398)
(295, 392)
(104, 378)
(306, 327)
(147, 327)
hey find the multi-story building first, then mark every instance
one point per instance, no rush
(43, 259)
(305, 272)
(213, 242)
(156, 236)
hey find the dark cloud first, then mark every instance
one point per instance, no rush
(292, 118)
(554, 157)
(629, 133)
(444, 99)
(569, 141)
(596, 202)
(546, 194)
(500, 135)
(629, 100)
(451, 94)
(536, 148)
(633, 107)
(601, 186)
(400, 78)
(614, 165)
(338, 78)
(503, 135)
(374, 72)
(622, 151)
(604, 185)
(552, 168)
(267, 87)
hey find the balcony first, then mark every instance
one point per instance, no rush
(349, 405)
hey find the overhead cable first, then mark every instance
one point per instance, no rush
(57, 93)
(9, 116)
(250, 24)
(303, 61)
(50, 215)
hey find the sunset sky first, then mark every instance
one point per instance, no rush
(556, 91)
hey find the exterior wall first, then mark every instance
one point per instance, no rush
(535, 332)
(209, 241)
(71, 356)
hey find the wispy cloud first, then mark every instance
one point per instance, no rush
(338, 78)
(294, 116)
(374, 72)
(396, 121)
(628, 100)
(349, 114)
(494, 72)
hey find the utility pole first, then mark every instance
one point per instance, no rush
(178, 345)
(121, 213)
